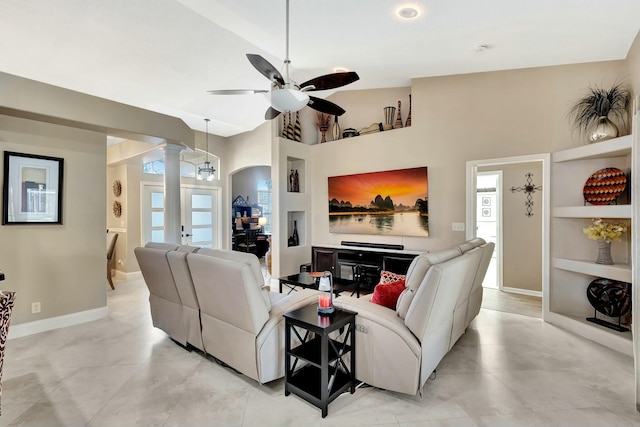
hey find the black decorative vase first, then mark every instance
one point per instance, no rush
(611, 298)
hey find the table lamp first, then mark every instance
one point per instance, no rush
(262, 221)
(325, 301)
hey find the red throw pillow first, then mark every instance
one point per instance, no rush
(387, 295)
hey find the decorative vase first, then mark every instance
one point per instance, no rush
(335, 130)
(297, 131)
(604, 129)
(604, 253)
(284, 126)
(290, 131)
(323, 131)
(408, 122)
(399, 118)
(389, 114)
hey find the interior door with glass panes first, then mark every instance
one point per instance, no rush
(199, 212)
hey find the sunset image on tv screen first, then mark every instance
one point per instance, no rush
(390, 202)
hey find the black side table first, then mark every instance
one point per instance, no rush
(324, 375)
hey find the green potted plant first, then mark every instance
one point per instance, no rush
(590, 114)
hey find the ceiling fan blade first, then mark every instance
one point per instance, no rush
(271, 113)
(331, 81)
(325, 106)
(237, 91)
(265, 68)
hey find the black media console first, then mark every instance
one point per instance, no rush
(359, 264)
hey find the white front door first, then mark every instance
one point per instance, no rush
(200, 215)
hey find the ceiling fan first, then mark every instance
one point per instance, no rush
(285, 95)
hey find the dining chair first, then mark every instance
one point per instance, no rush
(111, 250)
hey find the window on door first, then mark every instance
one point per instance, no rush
(200, 215)
(264, 200)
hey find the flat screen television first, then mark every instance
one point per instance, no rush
(394, 203)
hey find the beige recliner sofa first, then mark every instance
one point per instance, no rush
(173, 303)
(216, 300)
(242, 322)
(399, 349)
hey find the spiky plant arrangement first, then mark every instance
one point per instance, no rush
(599, 102)
(323, 120)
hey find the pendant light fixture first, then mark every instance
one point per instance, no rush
(207, 172)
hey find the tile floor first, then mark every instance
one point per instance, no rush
(526, 305)
(507, 370)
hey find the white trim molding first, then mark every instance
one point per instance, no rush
(528, 292)
(123, 275)
(545, 158)
(30, 328)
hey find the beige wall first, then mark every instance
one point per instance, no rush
(457, 119)
(52, 104)
(60, 266)
(245, 182)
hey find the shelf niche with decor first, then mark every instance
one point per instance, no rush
(296, 222)
(295, 175)
(573, 254)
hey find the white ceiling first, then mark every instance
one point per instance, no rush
(163, 55)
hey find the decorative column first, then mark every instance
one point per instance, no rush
(172, 214)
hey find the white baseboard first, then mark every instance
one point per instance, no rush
(30, 328)
(121, 275)
(522, 291)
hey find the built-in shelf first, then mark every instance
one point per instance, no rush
(619, 341)
(570, 271)
(620, 272)
(610, 211)
(617, 147)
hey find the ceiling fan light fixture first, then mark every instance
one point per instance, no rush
(288, 100)
(285, 95)
(207, 172)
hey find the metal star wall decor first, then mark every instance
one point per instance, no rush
(529, 188)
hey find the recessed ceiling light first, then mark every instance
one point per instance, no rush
(483, 47)
(408, 12)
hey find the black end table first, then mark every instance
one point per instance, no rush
(304, 280)
(324, 375)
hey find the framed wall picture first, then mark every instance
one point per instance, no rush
(32, 189)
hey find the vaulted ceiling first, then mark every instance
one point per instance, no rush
(163, 55)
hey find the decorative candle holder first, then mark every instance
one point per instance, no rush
(325, 301)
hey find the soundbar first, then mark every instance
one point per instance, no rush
(373, 245)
